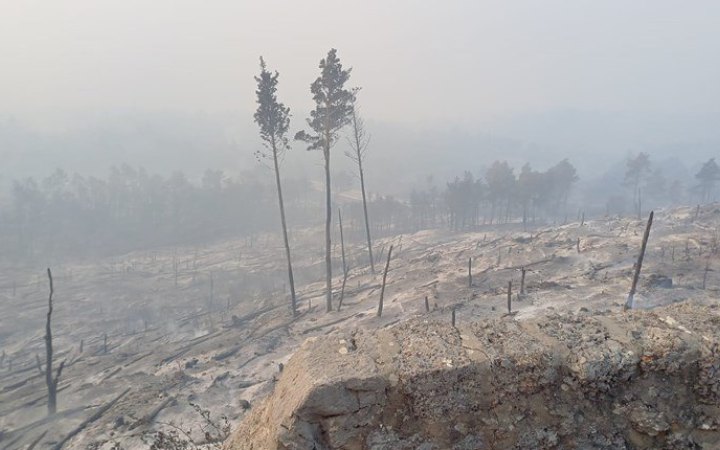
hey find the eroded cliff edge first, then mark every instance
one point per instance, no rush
(608, 380)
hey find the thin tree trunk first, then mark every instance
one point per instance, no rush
(328, 221)
(365, 212)
(51, 383)
(509, 297)
(344, 265)
(631, 296)
(382, 290)
(342, 241)
(52, 394)
(293, 299)
(470, 272)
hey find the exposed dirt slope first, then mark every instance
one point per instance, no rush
(642, 379)
(216, 337)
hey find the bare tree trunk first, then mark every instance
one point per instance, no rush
(453, 317)
(367, 220)
(344, 265)
(293, 299)
(342, 241)
(470, 272)
(631, 296)
(359, 144)
(427, 304)
(51, 383)
(382, 290)
(509, 297)
(522, 281)
(328, 221)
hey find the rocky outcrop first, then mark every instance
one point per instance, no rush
(642, 379)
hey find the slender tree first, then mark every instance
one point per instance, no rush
(333, 110)
(273, 118)
(358, 144)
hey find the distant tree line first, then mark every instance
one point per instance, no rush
(500, 196)
(74, 215)
(650, 187)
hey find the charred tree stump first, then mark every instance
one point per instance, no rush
(453, 317)
(509, 297)
(577, 245)
(522, 281)
(382, 290)
(470, 272)
(638, 266)
(51, 382)
(705, 274)
(427, 306)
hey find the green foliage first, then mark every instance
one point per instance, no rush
(333, 104)
(272, 117)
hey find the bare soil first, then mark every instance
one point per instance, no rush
(172, 346)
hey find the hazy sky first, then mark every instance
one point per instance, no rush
(417, 61)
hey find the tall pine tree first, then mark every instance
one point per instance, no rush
(333, 110)
(273, 118)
